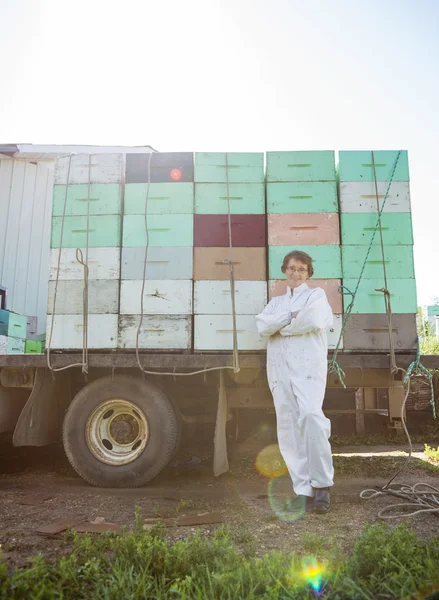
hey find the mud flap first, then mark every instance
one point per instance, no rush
(220, 460)
(39, 421)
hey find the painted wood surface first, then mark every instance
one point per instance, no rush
(31, 328)
(11, 345)
(12, 325)
(310, 165)
(160, 297)
(214, 297)
(361, 196)
(358, 228)
(213, 230)
(278, 287)
(369, 301)
(163, 230)
(176, 167)
(303, 229)
(33, 347)
(302, 197)
(104, 199)
(398, 260)
(356, 165)
(103, 231)
(103, 297)
(212, 263)
(245, 198)
(326, 260)
(333, 333)
(163, 198)
(371, 332)
(106, 168)
(215, 332)
(163, 262)
(68, 332)
(103, 263)
(168, 332)
(243, 167)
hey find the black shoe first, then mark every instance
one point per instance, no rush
(322, 501)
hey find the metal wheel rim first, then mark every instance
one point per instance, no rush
(117, 432)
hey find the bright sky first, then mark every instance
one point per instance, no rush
(217, 75)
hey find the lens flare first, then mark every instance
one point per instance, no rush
(309, 572)
(270, 463)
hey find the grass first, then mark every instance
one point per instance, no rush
(385, 563)
(432, 453)
(429, 432)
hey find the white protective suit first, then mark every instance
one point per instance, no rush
(296, 370)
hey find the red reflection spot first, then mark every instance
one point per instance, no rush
(176, 174)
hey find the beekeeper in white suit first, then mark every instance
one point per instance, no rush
(296, 324)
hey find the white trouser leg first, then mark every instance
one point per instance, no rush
(291, 442)
(315, 430)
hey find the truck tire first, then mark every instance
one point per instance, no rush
(120, 431)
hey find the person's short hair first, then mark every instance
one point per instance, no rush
(298, 255)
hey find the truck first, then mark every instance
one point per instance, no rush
(120, 407)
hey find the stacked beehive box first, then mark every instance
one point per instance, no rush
(168, 262)
(302, 214)
(212, 293)
(367, 328)
(87, 202)
(13, 329)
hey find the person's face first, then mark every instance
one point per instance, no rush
(297, 272)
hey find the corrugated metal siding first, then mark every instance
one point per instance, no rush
(25, 211)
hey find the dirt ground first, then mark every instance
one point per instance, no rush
(249, 498)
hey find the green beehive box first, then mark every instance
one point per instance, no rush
(313, 165)
(243, 167)
(245, 198)
(358, 228)
(302, 197)
(163, 230)
(326, 260)
(356, 165)
(103, 231)
(369, 301)
(33, 347)
(12, 325)
(163, 198)
(105, 199)
(398, 262)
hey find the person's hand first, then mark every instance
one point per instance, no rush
(294, 314)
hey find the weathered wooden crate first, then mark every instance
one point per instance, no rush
(213, 230)
(303, 229)
(215, 332)
(104, 199)
(245, 198)
(103, 231)
(302, 197)
(358, 228)
(164, 332)
(398, 261)
(160, 297)
(68, 331)
(174, 167)
(215, 297)
(163, 230)
(105, 168)
(163, 198)
(103, 297)
(243, 167)
(11, 345)
(356, 165)
(33, 347)
(370, 332)
(163, 262)
(369, 301)
(103, 263)
(360, 196)
(12, 325)
(211, 263)
(313, 165)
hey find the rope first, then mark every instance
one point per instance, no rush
(235, 366)
(80, 259)
(333, 366)
(422, 497)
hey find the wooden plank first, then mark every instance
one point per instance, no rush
(399, 261)
(68, 331)
(106, 168)
(358, 228)
(161, 297)
(103, 297)
(369, 301)
(356, 165)
(326, 260)
(157, 332)
(301, 166)
(360, 196)
(212, 263)
(163, 230)
(103, 263)
(303, 229)
(213, 230)
(162, 262)
(278, 287)
(215, 332)
(103, 231)
(105, 199)
(302, 197)
(244, 167)
(370, 332)
(163, 198)
(245, 198)
(214, 297)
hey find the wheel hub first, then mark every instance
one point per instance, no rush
(117, 432)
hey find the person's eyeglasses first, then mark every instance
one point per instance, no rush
(300, 270)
